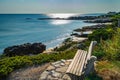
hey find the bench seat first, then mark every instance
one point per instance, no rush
(77, 64)
(82, 63)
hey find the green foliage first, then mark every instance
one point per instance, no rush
(112, 47)
(2, 56)
(109, 41)
(98, 52)
(108, 65)
(93, 76)
(67, 40)
(101, 34)
(109, 49)
(115, 19)
(8, 64)
(116, 65)
(66, 45)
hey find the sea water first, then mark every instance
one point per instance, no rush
(16, 29)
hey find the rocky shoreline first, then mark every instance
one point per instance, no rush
(86, 30)
(24, 49)
(93, 27)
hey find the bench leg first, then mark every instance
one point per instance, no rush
(90, 66)
(82, 77)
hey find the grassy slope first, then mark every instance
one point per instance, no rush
(9, 64)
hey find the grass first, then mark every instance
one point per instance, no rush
(9, 64)
(111, 65)
(93, 76)
(108, 70)
(104, 68)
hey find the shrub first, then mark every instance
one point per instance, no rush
(112, 47)
(98, 52)
(101, 34)
(109, 49)
(115, 19)
(8, 64)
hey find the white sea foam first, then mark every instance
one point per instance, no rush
(58, 39)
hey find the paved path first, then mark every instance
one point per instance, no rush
(56, 71)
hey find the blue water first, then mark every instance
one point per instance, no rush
(15, 29)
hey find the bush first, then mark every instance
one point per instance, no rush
(112, 47)
(115, 19)
(8, 64)
(101, 34)
(109, 49)
(98, 52)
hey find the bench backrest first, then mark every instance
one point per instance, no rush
(93, 43)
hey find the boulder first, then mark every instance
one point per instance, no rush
(24, 49)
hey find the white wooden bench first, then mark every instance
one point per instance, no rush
(82, 64)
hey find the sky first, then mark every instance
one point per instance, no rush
(59, 6)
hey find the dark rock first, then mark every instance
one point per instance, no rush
(81, 46)
(72, 18)
(106, 20)
(83, 17)
(24, 49)
(79, 35)
(92, 27)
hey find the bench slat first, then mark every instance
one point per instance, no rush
(81, 66)
(70, 66)
(77, 62)
(72, 63)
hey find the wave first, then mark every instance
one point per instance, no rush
(57, 41)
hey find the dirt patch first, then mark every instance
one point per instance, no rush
(30, 73)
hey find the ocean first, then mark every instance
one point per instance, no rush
(16, 29)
